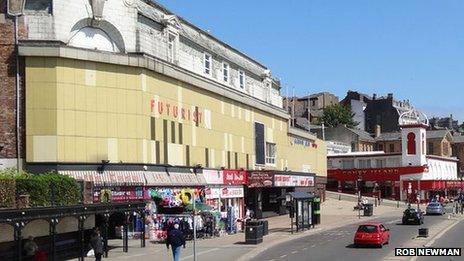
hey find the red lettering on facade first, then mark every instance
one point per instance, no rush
(160, 107)
(175, 111)
(183, 113)
(168, 107)
(152, 104)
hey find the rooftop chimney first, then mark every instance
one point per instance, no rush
(390, 95)
(374, 96)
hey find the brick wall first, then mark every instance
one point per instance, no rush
(8, 88)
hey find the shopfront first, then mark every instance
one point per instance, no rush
(267, 190)
(225, 193)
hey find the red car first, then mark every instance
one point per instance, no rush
(372, 234)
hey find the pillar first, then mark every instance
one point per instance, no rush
(18, 238)
(80, 225)
(106, 218)
(142, 235)
(52, 234)
(125, 236)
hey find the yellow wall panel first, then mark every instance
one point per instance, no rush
(102, 125)
(91, 149)
(91, 124)
(70, 149)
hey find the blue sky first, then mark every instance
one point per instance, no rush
(412, 48)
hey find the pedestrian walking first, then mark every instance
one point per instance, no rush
(176, 240)
(96, 243)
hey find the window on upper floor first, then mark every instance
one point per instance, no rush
(172, 46)
(207, 61)
(270, 153)
(241, 79)
(364, 163)
(430, 148)
(348, 164)
(225, 72)
(392, 147)
(380, 163)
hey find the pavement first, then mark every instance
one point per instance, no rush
(335, 214)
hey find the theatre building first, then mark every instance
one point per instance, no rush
(408, 175)
(131, 97)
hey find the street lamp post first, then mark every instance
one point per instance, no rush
(358, 186)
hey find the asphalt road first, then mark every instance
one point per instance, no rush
(452, 238)
(337, 244)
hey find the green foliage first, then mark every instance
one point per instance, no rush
(337, 114)
(44, 190)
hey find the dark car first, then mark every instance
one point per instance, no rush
(413, 216)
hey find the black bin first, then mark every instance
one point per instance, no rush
(368, 209)
(265, 224)
(423, 232)
(253, 233)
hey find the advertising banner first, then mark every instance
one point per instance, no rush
(293, 181)
(258, 179)
(214, 177)
(234, 177)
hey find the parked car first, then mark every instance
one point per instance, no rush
(413, 216)
(371, 234)
(435, 208)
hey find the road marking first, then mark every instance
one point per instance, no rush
(294, 252)
(313, 246)
(282, 256)
(304, 248)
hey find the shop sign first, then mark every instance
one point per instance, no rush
(257, 179)
(121, 194)
(232, 192)
(303, 142)
(212, 193)
(234, 177)
(374, 174)
(293, 181)
(213, 176)
(175, 111)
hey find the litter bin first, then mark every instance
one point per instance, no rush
(254, 232)
(265, 224)
(368, 209)
(423, 232)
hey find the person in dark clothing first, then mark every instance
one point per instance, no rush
(175, 239)
(96, 243)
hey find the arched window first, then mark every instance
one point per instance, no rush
(411, 143)
(93, 38)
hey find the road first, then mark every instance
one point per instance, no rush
(337, 244)
(452, 238)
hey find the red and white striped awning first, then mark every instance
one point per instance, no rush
(108, 178)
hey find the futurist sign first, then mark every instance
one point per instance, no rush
(176, 111)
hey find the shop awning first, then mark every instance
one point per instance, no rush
(186, 177)
(157, 178)
(108, 178)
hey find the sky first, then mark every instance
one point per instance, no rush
(412, 48)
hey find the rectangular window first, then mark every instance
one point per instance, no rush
(225, 72)
(380, 147)
(172, 39)
(228, 160)
(241, 79)
(157, 149)
(270, 153)
(348, 164)
(187, 155)
(207, 63)
(152, 128)
(173, 132)
(248, 161)
(380, 163)
(207, 157)
(392, 147)
(430, 148)
(181, 134)
(236, 160)
(259, 143)
(364, 163)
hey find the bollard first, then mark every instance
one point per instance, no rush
(397, 204)
(339, 197)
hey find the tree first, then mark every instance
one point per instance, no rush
(337, 114)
